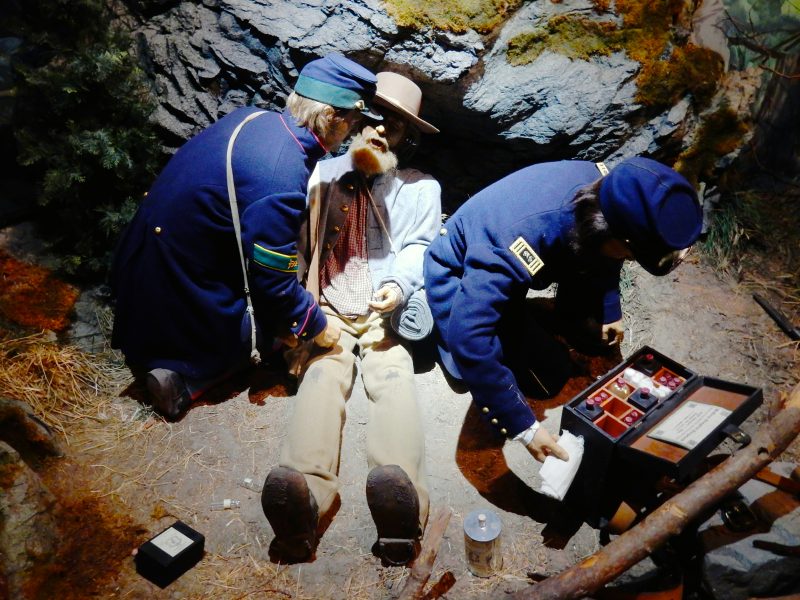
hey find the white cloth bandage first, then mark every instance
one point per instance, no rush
(557, 475)
(526, 436)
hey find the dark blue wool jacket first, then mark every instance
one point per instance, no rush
(177, 276)
(510, 237)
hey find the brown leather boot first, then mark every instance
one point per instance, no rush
(292, 512)
(168, 392)
(394, 505)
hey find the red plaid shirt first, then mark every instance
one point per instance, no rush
(345, 280)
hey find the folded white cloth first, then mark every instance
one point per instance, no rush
(414, 321)
(556, 474)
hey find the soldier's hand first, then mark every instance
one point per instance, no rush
(328, 336)
(613, 333)
(386, 299)
(543, 445)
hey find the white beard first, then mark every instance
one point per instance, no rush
(370, 158)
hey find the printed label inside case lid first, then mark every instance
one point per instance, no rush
(690, 424)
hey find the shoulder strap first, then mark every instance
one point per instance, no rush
(255, 356)
(314, 200)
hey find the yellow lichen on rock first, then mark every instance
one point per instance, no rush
(651, 33)
(719, 133)
(451, 15)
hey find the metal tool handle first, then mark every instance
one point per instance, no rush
(779, 318)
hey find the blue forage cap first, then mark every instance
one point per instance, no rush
(340, 82)
(653, 207)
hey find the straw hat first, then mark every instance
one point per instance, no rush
(403, 96)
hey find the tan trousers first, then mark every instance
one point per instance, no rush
(394, 429)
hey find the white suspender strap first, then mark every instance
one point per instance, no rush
(601, 166)
(255, 357)
(314, 202)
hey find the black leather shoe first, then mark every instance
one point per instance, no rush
(168, 392)
(394, 505)
(292, 512)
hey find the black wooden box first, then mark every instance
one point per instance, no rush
(170, 554)
(649, 418)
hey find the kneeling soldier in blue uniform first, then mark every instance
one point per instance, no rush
(561, 223)
(214, 241)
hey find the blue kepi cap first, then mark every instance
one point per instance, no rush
(654, 208)
(340, 82)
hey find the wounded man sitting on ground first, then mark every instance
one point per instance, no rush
(373, 227)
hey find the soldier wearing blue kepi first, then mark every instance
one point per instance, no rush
(563, 223)
(214, 241)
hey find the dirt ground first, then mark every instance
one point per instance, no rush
(130, 474)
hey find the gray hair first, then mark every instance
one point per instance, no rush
(310, 113)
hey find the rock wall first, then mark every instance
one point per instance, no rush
(209, 57)
(28, 511)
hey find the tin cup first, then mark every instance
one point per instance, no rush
(482, 543)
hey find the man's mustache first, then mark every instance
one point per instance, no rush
(377, 142)
(371, 154)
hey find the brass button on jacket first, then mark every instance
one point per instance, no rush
(345, 208)
(485, 409)
(494, 421)
(157, 230)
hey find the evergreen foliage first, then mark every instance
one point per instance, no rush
(81, 124)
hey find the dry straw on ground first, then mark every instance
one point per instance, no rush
(62, 384)
(130, 460)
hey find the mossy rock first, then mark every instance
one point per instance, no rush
(452, 15)
(689, 69)
(671, 67)
(575, 37)
(719, 133)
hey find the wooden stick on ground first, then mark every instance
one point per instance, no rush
(670, 518)
(421, 571)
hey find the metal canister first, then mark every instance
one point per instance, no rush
(482, 530)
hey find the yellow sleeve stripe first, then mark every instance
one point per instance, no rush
(275, 260)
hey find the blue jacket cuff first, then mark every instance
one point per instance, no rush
(508, 416)
(313, 323)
